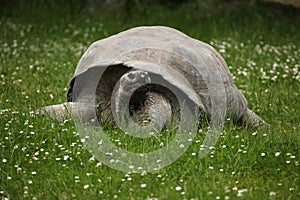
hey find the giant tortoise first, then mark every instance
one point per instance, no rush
(148, 72)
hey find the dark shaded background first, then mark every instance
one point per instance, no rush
(8, 7)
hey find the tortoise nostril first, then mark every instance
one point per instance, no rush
(144, 74)
(131, 75)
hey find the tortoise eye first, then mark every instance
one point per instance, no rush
(131, 76)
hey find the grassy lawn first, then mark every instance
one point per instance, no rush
(41, 158)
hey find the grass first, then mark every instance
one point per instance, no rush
(42, 158)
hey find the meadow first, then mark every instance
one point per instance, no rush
(42, 158)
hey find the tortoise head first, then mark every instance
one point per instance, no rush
(135, 78)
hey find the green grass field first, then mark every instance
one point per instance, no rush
(41, 158)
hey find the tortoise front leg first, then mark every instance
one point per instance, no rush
(80, 112)
(250, 119)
